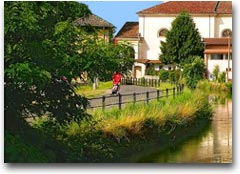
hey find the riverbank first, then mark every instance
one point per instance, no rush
(119, 136)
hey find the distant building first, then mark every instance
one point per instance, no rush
(104, 29)
(212, 18)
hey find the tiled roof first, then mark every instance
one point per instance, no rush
(217, 41)
(192, 7)
(93, 20)
(224, 8)
(129, 30)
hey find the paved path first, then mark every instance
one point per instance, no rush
(124, 91)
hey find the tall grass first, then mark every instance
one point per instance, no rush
(115, 134)
(134, 119)
(214, 86)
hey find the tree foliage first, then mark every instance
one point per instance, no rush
(39, 46)
(163, 74)
(43, 43)
(182, 42)
(101, 58)
(193, 72)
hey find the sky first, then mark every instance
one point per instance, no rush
(119, 12)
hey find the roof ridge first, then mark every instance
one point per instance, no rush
(93, 20)
(193, 7)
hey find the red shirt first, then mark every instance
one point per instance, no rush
(116, 78)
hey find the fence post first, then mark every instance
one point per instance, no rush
(103, 102)
(173, 92)
(147, 95)
(167, 92)
(177, 89)
(180, 88)
(158, 95)
(119, 101)
(134, 98)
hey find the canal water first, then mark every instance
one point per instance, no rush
(213, 145)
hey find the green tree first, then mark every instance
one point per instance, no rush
(163, 74)
(193, 72)
(40, 46)
(182, 42)
(103, 58)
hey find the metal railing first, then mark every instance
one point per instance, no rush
(121, 99)
(153, 82)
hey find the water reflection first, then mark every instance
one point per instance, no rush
(214, 145)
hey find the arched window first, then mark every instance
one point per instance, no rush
(226, 33)
(162, 32)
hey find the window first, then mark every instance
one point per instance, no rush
(226, 33)
(162, 32)
(216, 57)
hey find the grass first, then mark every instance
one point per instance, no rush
(87, 90)
(133, 118)
(214, 86)
(116, 135)
(166, 85)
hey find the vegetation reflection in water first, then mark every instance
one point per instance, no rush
(213, 145)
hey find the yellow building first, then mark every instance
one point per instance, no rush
(103, 28)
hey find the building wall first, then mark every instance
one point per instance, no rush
(208, 26)
(134, 43)
(205, 25)
(223, 64)
(104, 34)
(222, 23)
(149, 28)
(139, 70)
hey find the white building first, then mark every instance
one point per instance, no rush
(212, 18)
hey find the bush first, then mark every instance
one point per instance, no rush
(216, 72)
(193, 72)
(222, 77)
(174, 76)
(16, 151)
(229, 86)
(163, 75)
(150, 70)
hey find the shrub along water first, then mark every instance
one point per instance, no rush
(117, 136)
(214, 86)
(133, 118)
